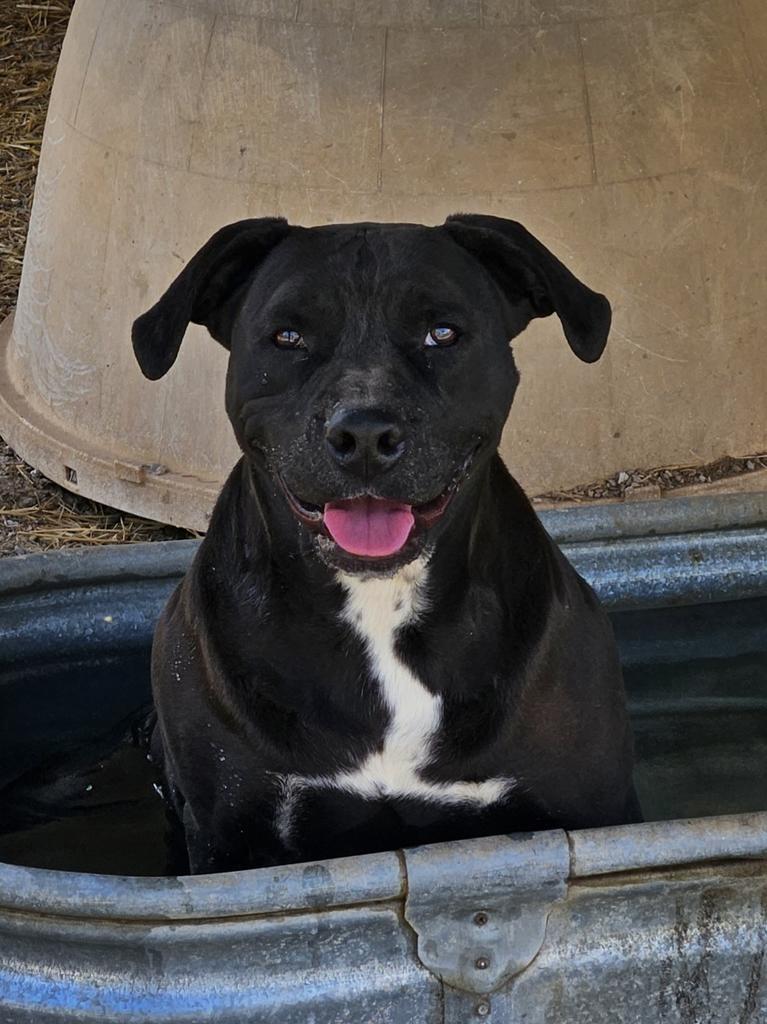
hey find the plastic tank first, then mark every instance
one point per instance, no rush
(629, 135)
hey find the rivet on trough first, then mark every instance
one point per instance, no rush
(515, 883)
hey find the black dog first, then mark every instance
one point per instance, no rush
(378, 645)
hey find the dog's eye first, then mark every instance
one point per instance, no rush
(289, 339)
(441, 336)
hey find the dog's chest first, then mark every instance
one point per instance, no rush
(377, 610)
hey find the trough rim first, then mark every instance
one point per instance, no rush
(630, 571)
(369, 878)
(581, 531)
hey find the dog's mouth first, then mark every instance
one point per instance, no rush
(371, 527)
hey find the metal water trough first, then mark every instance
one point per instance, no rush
(662, 922)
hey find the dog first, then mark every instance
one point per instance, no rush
(377, 644)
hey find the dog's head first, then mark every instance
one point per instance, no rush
(370, 372)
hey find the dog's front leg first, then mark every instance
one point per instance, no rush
(207, 849)
(223, 843)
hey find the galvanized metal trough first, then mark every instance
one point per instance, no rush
(661, 922)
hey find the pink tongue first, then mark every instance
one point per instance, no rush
(369, 526)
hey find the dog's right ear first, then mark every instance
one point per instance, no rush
(203, 292)
(524, 269)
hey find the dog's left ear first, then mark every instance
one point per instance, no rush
(205, 292)
(526, 271)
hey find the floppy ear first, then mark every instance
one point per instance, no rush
(524, 269)
(203, 292)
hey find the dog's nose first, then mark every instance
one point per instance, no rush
(364, 441)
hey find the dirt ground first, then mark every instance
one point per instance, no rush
(36, 514)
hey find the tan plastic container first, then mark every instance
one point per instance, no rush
(629, 135)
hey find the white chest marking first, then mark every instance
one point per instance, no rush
(377, 609)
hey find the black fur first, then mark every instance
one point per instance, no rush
(255, 673)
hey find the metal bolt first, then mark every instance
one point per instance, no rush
(482, 963)
(480, 918)
(483, 1009)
